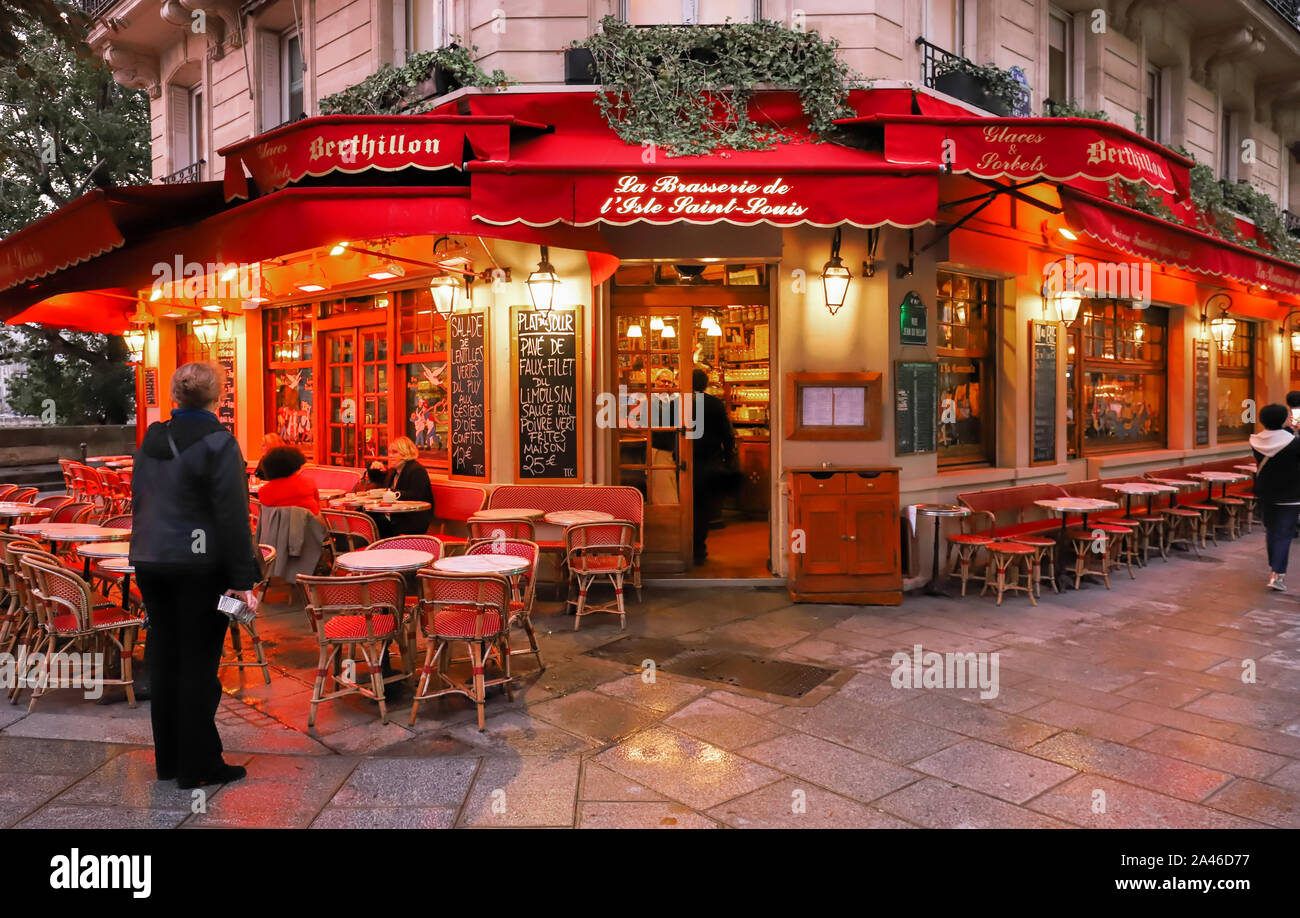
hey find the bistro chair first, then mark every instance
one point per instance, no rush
(1044, 549)
(53, 501)
(65, 466)
(266, 556)
(1231, 508)
(14, 613)
(469, 609)
(114, 496)
(429, 543)
(72, 512)
(487, 530)
(70, 622)
(593, 550)
(1006, 558)
(963, 549)
(254, 512)
(23, 496)
(6, 490)
(523, 589)
(1110, 535)
(363, 611)
(350, 530)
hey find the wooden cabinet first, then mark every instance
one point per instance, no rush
(754, 458)
(846, 523)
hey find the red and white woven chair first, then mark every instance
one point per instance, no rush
(14, 617)
(364, 612)
(22, 496)
(525, 592)
(53, 501)
(595, 550)
(487, 530)
(236, 659)
(69, 621)
(469, 609)
(72, 512)
(352, 531)
(7, 489)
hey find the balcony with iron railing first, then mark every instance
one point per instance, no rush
(1287, 9)
(950, 73)
(190, 173)
(1292, 222)
(94, 8)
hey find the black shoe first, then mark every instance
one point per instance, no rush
(223, 775)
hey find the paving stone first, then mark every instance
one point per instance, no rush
(1004, 773)
(939, 709)
(1268, 740)
(1162, 692)
(1090, 675)
(582, 673)
(30, 755)
(57, 816)
(414, 782)
(1287, 777)
(837, 768)
(760, 634)
(652, 815)
(424, 817)
(593, 714)
(130, 780)
(1212, 753)
(793, 804)
(1135, 766)
(876, 689)
(1179, 719)
(683, 768)
(937, 804)
(746, 702)
(664, 695)
(280, 792)
(1068, 691)
(599, 783)
(526, 791)
(22, 793)
(869, 730)
(938, 640)
(1273, 806)
(1256, 712)
(1105, 724)
(514, 733)
(827, 653)
(725, 726)
(1124, 806)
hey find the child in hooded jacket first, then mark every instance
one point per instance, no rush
(1277, 485)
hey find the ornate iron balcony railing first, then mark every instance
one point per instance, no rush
(191, 173)
(932, 59)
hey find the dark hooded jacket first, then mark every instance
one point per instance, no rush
(1277, 455)
(190, 507)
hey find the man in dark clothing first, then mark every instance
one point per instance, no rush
(713, 450)
(1277, 485)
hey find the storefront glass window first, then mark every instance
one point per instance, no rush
(1120, 362)
(1236, 383)
(963, 324)
(421, 329)
(289, 375)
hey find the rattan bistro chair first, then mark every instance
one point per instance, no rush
(267, 555)
(351, 531)
(363, 611)
(469, 609)
(14, 616)
(593, 550)
(487, 530)
(521, 602)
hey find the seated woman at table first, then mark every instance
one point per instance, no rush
(407, 477)
(286, 486)
(269, 442)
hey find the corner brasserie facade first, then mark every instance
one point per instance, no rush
(513, 287)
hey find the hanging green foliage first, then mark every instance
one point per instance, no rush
(1071, 109)
(686, 89)
(406, 90)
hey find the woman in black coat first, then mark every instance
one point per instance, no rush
(190, 543)
(405, 475)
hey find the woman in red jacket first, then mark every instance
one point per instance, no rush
(286, 486)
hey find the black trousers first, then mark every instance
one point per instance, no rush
(705, 502)
(1279, 530)
(186, 634)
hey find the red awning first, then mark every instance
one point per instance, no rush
(351, 144)
(99, 222)
(1027, 149)
(585, 179)
(1157, 240)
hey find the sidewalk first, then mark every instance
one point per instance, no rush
(1120, 708)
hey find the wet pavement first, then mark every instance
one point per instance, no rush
(1172, 700)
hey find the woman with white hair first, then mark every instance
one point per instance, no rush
(190, 543)
(405, 475)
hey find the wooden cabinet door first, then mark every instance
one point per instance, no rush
(871, 525)
(822, 519)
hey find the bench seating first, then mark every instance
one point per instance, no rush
(337, 477)
(1004, 513)
(453, 504)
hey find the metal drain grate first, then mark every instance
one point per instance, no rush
(727, 667)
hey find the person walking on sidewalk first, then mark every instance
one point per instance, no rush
(1277, 485)
(190, 543)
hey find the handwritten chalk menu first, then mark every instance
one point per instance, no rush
(226, 403)
(467, 333)
(1042, 390)
(151, 387)
(916, 392)
(547, 360)
(1201, 357)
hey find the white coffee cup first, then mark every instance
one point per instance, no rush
(389, 497)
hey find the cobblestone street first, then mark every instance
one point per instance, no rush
(1119, 708)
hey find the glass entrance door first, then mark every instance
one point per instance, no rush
(651, 452)
(356, 398)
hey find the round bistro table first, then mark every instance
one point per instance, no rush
(1064, 506)
(569, 517)
(370, 561)
(939, 512)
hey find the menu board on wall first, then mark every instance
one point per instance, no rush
(151, 387)
(916, 393)
(547, 358)
(226, 404)
(467, 333)
(1201, 355)
(1042, 390)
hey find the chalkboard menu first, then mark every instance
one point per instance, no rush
(467, 334)
(226, 404)
(916, 394)
(151, 387)
(1202, 392)
(1042, 390)
(548, 360)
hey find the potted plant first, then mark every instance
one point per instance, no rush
(579, 66)
(987, 86)
(406, 89)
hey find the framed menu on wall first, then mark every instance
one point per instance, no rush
(916, 397)
(151, 387)
(467, 338)
(226, 403)
(1042, 390)
(1201, 400)
(546, 353)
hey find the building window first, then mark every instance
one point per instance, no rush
(196, 125)
(689, 12)
(424, 25)
(964, 326)
(945, 22)
(420, 329)
(1060, 57)
(1072, 393)
(1153, 114)
(1236, 382)
(291, 76)
(282, 79)
(289, 362)
(1228, 146)
(1120, 365)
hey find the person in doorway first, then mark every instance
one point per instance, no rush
(1277, 485)
(714, 454)
(190, 543)
(405, 475)
(1293, 413)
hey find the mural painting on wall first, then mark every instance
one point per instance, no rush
(427, 408)
(293, 407)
